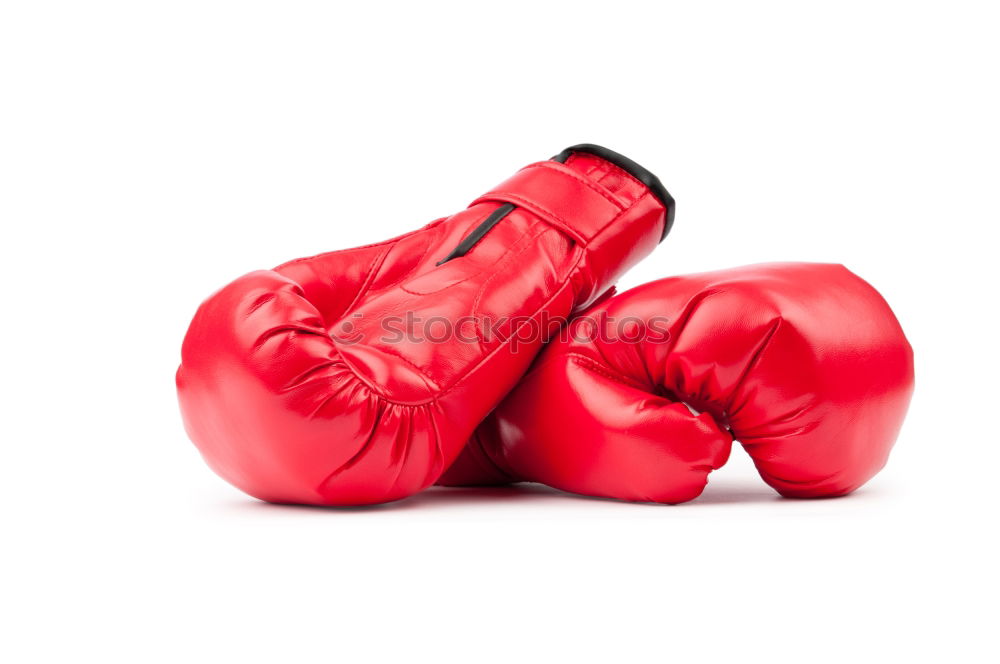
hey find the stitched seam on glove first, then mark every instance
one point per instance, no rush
(395, 283)
(590, 185)
(621, 214)
(597, 367)
(369, 278)
(531, 205)
(506, 258)
(527, 244)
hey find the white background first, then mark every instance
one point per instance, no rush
(151, 152)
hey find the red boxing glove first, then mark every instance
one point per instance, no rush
(355, 377)
(804, 364)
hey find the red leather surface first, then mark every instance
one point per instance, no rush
(294, 390)
(804, 364)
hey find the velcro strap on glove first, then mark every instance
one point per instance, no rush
(560, 196)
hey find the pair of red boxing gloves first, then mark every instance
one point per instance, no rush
(488, 347)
